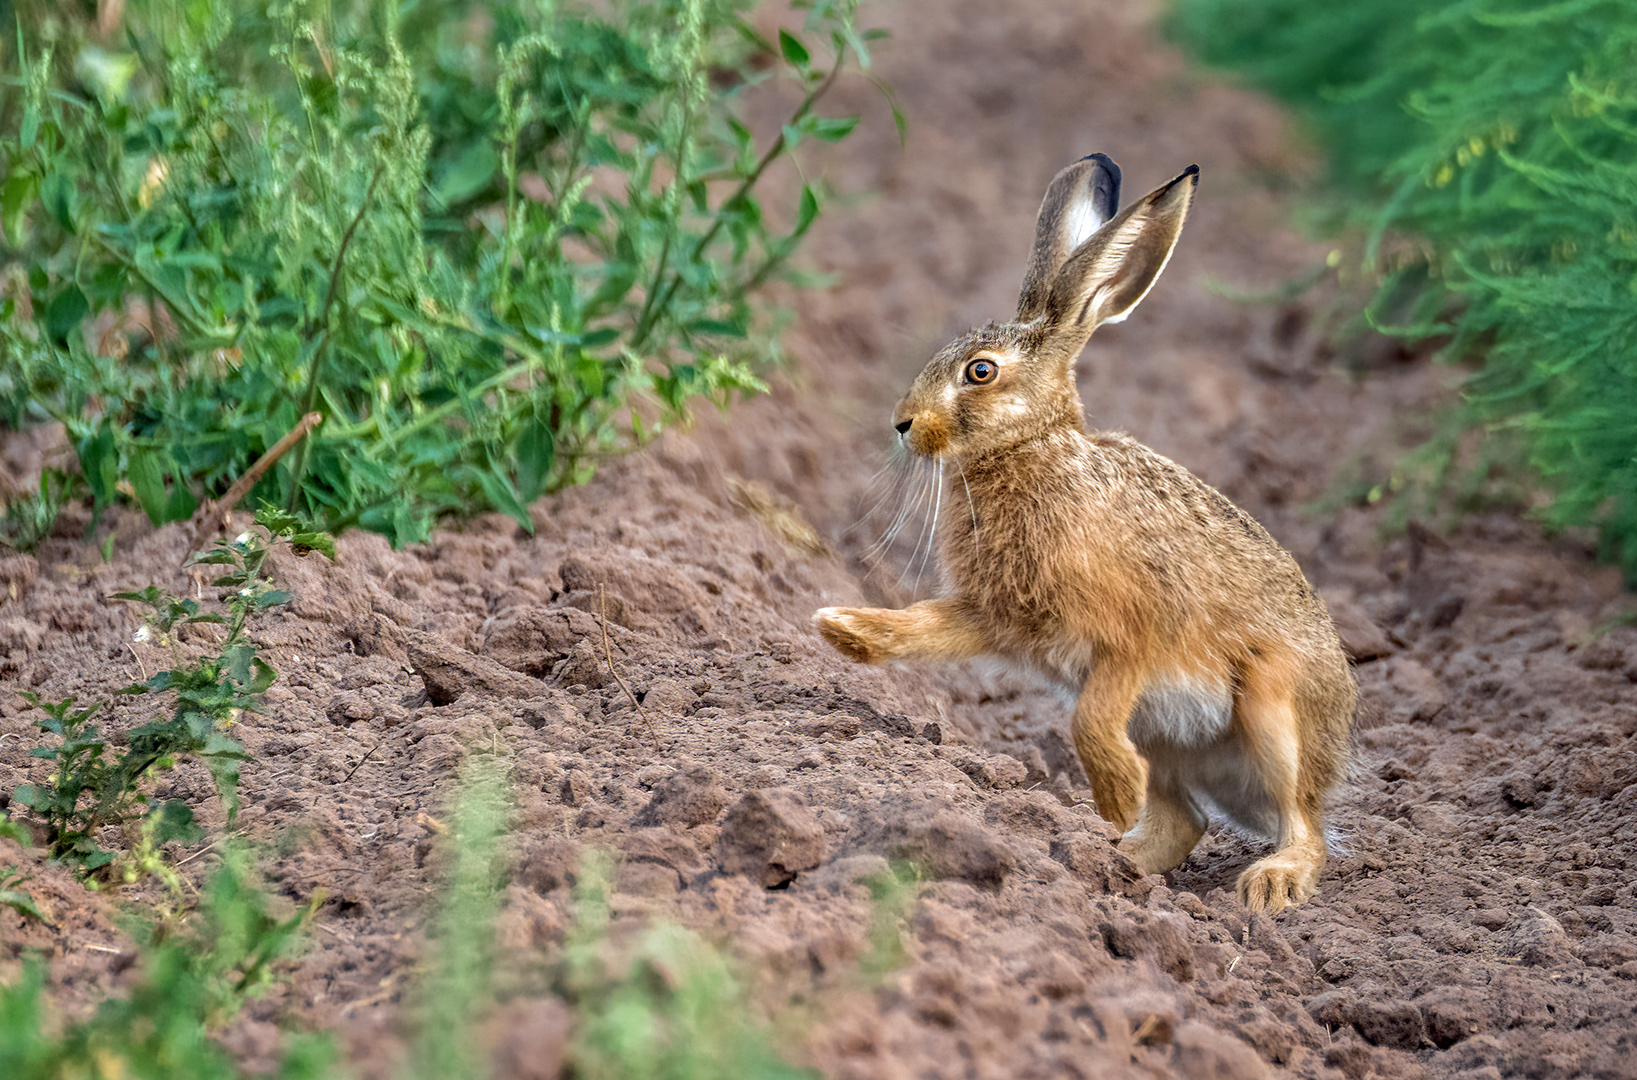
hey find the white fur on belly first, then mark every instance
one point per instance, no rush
(1180, 711)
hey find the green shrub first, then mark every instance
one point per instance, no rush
(189, 984)
(95, 785)
(492, 243)
(1501, 135)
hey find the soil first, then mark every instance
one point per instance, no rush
(1477, 918)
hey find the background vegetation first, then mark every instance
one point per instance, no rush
(492, 243)
(1486, 151)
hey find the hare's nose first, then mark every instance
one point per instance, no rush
(903, 426)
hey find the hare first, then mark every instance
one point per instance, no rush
(1205, 671)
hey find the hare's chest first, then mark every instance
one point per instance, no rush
(1016, 578)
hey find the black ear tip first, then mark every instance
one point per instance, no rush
(1106, 162)
(1190, 176)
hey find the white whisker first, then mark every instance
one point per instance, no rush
(969, 503)
(890, 482)
(905, 507)
(926, 519)
(932, 530)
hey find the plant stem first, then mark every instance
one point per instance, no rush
(651, 313)
(310, 400)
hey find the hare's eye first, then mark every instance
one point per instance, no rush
(981, 371)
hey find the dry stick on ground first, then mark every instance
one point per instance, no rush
(215, 513)
(608, 654)
(361, 761)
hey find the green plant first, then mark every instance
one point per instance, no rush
(19, 900)
(189, 985)
(1486, 153)
(492, 243)
(94, 785)
(459, 986)
(672, 1006)
(29, 518)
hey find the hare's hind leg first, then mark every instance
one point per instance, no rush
(1266, 725)
(1169, 824)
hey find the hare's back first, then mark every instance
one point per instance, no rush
(1190, 539)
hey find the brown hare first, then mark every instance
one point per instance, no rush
(1204, 669)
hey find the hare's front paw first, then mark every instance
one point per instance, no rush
(857, 633)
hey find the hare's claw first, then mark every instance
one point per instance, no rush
(1279, 881)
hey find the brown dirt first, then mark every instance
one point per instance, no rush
(1478, 920)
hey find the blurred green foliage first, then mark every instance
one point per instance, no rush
(190, 982)
(491, 242)
(1500, 137)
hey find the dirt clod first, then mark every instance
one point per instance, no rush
(770, 836)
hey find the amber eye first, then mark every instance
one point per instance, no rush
(981, 371)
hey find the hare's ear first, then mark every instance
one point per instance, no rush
(1079, 201)
(1109, 274)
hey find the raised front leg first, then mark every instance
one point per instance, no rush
(929, 630)
(1118, 774)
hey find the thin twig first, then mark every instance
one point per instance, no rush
(219, 840)
(363, 759)
(608, 654)
(215, 514)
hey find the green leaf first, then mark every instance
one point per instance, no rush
(172, 820)
(62, 198)
(272, 598)
(467, 175)
(22, 903)
(239, 659)
(10, 830)
(15, 197)
(264, 677)
(99, 461)
(795, 53)
(832, 128)
(808, 209)
(504, 498)
(32, 796)
(65, 312)
(143, 468)
(536, 451)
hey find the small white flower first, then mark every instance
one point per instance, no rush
(242, 540)
(144, 634)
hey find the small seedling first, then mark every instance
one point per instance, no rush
(16, 898)
(95, 785)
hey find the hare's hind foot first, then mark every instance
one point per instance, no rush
(1284, 879)
(1168, 826)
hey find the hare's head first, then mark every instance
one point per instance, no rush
(1002, 384)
